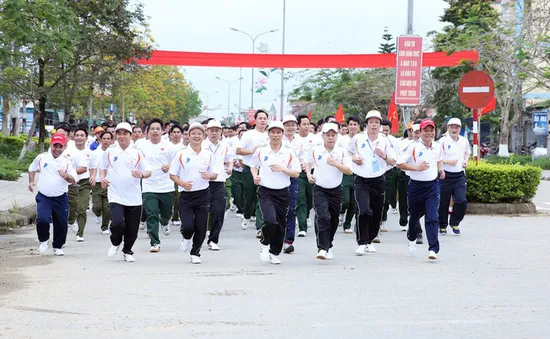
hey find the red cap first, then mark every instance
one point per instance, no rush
(58, 138)
(426, 122)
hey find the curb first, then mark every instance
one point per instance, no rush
(23, 217)
(545, 178)
(506, 209)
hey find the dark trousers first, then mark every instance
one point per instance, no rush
(402, 186)
(124, 225)
(349, 207)
(454, 186)
(48, 210)
(100, 205)
(291, 215)
(84, 188)
(249, 208)
(175, 198)
(158, 208)
(304, 204)
(392, 179)
(274, 206)
(194, 207)
(424, 201)
(73, 203)
(237, 190)
(327, 204)
(218, 198)
(369, 196)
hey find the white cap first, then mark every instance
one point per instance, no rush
(330, 126)
(288, 118)
(416, 127)
(214, 123)
(454, 121)
(196, 125)
(125, 126)
(373, 114)
(275, 124)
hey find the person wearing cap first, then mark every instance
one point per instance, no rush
(96, 143)
(192, 169)
(290, 124)
(237, 189)
(222, 157)
(272, 169)
(176, 137)
(249, 143)
(100, 201)
(52, 201)
(456, 153)
(122, 169)
(424, 163)
(329, 162)
(392, 177)
(158, 189)
(371, 154)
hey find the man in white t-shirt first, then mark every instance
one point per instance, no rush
(237, 190)
(100, 202)
(290, 124)
(82, 191)
(392, 176)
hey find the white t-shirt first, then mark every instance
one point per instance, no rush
(51, 184)
(187, 165)
(95, 162)
(459, 150)
(328, 176)
(373, 166)
(222, 153)
(77, 159)
(343, 141)
(124, 189)
(264, 157)
(304, 145)
(416, 154)
(249, 140)
(157, 155)
(85, 157)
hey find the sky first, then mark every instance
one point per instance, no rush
(312, 27)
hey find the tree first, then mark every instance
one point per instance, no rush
(387, 46)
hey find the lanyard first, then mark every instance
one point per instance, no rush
(214, 152)
(427, 148)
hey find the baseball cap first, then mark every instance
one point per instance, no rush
(454, 121)
(329, 126)
(275, 124)
(410, 125)
(58, 138)
(373, 114)
(124, 126)
(197, 125)
(425, 123)
(288, 118)
(415, 127)
(213, 124)
(99, 129)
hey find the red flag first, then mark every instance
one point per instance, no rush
(310, 115)
(393, 116)
(490, 107)
(340, 114)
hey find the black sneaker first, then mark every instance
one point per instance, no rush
(443, 231)
(419, 239)
(288, 248)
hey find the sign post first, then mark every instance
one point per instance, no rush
(475, 90)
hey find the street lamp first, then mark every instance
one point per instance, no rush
(228, 82)
(253, 49)
(207, 97)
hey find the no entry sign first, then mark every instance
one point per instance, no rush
(408, 75)
(476, 89)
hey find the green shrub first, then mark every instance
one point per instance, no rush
(512, 159)
(542, 162)
(501, 183)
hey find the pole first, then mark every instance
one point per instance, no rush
(282, 69)
(228, 98)
(122, 95)
(252, 79)
(240, 88)
(476, 138)
(410, 17)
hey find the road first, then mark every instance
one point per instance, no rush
(491, 282)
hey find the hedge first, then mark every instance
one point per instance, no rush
(500, 183)
(10, 147)
(542, 162)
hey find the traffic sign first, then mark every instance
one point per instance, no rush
(476, 89)
(408, 74)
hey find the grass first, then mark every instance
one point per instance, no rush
(542, 162)
(11, 169)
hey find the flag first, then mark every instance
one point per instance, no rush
(393, 116)
(340, 115)
(490, 107)
(310, 115)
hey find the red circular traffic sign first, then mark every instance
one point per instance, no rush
(476, 89)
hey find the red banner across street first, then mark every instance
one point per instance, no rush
(408, 75)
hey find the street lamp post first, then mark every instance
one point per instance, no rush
(282, 69)
(208, 97)
(253, 49)
(228, 82)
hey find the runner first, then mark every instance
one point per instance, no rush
(423, 161)
(456, 152)
(273, 166)
(100, 202)
(330, 163)
(237, 179)
(121, 170)
(392, 177)
(192, 169)
(371, 154)
(56, 173)
(176, 137)
(81, 199)
(290, 141)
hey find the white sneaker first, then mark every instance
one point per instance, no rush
(113, 250)
(129, 258)
(97, 220)
(330, 255)
(341, 219)
(274, 259)
(361, 249)
(348, 231)
(432, 255)
(322, 254)
(43, 248)
(259, 234)
(403, 228)
(244, 224)
(253, 219)
(383, 227)
(309, 223)
(239, 215)
(213, 246)
(302, 234)
(264, 253)
(79, 239)
(58, 252)
(394, 210)
(165, 229)
(371, 249)
(195, 259)
(185, 245)
(233, 208)
(412, 247)
(142, 225)
(176, 223)
(74, 227)
(155, 248)
(107, 231)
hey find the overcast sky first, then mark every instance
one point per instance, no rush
(312, 27)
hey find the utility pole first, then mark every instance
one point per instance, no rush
(410, 18)
(282, 69)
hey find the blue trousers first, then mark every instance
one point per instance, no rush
(454, 185)
(424, 201)
(48, 210)
(291, 216)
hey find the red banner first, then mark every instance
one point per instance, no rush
(408, 75)
(171, 58)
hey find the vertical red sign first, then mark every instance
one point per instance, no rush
(408, 76)
(251, 113)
